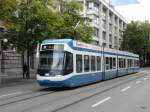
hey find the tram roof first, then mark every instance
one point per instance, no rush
(86, 46)
(63, 41)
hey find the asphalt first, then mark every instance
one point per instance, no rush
(124, 94)
(14, 76)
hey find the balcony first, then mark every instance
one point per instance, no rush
(92, 11)
(94, 24)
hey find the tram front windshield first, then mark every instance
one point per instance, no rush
(53, 62)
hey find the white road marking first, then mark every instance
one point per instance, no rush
(126, 88)
(145, 78)
(100, 102)
(11, 94)
(138, 82)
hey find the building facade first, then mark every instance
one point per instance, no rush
(108, 24)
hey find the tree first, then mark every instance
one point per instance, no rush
(33, 22)
(74, 25)
(7, 8)
(136, 39)
(36, 20)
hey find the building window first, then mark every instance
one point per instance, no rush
(120, 23)
(116, 30)
(104, 24)
(96, 19)
(89, 5)
(104, 35)
(110, 38)
(115, 40)
(116, 20)
(96, 7)
(104, 44)
(104, 13)
(96, 32)
(110, 28)
(110, 46)
(120, 41)
(110, 18)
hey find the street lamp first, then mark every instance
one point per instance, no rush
(1, 52)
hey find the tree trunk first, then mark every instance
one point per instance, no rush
(22, 59)
(28, 63)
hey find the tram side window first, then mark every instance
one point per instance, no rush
(86, 63)
(107, 63)
(98, 63)
(132, 62)
(93, 67)
(128, 63)
(120, 63)
(79, 63)
(43, 61)
(124, 63)
(111, 63)
(114, 63)
(69, 63)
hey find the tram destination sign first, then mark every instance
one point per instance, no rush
(53, 47)
(86, 46)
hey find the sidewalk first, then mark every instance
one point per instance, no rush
(12, 76)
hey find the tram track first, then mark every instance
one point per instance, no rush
(82, 92)
(121, 82)
(103, 91)
(22, 94)
(26, 98)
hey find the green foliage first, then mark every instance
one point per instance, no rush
(33, 22)
(70, 13)
(85, 33)
(36, 20)
(136, 38)
(7, 8)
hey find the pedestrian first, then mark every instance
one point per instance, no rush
(25, 71)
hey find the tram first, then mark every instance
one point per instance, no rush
(70, 63)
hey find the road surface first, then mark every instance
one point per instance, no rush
(124, 94)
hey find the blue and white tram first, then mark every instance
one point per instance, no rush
(69, 63)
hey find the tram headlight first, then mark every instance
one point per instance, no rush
(46, 74)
